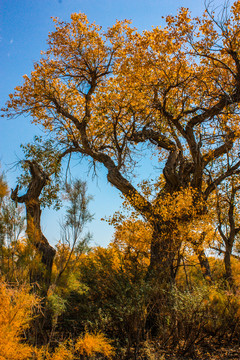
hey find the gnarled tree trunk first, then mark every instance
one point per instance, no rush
(42, 276)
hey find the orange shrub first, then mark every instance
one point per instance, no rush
(15, 313)
(90, 345)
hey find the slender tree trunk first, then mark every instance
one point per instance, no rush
(36, 237)
(228, 266)
(42, 275)
(202, 258)
(204, 264)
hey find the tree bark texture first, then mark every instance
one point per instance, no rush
(39, 179)
(165, 246)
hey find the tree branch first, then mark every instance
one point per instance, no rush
(216, 182)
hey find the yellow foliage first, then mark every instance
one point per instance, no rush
(3, 187)
(236, 271)
(119, 83)
(88, 345)
(134, 237)
(93, 344)
(60, 353)
(15, 313)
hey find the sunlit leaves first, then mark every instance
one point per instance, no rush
(91, 344)
(16, 306)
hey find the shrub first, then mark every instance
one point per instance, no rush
(92, 345)
(16, 305)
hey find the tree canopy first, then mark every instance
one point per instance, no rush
(108, 94)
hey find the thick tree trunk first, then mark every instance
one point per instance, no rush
(42, 275)
(161, 274)
(164, 251)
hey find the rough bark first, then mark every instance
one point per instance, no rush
(41, 276)
(165, 246)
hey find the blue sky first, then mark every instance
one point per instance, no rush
(24, 27)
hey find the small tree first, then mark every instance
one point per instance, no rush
(76, 218)
(228, 225)
(12, 224)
